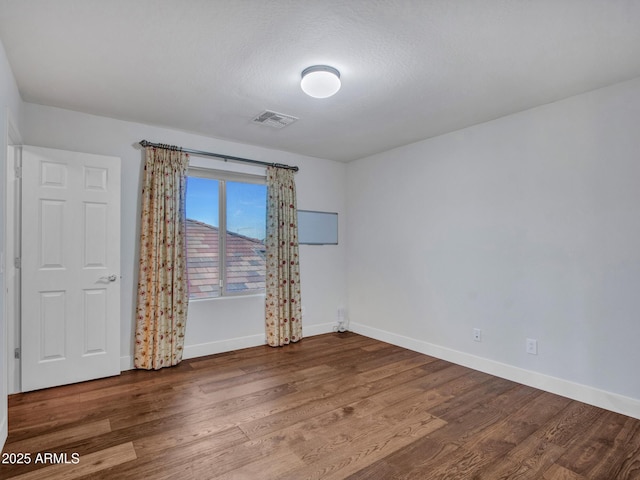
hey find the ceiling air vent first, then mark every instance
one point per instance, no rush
(274, 119)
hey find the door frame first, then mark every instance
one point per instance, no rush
(12, 245)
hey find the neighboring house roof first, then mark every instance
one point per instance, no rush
(245, 261)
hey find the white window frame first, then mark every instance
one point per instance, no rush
(223, 177)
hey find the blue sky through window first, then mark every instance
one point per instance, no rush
(246, 205)
(247, 209)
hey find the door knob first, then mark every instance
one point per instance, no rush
(110, 278)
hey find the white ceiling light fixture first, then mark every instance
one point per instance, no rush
(320, 81)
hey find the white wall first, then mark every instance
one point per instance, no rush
(218, 324)
(525, 227)
(10, 110)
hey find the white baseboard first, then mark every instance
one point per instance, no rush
(4, 432)
(321, 329)
(126, 363)
(583, 393)
(204, 349)
(211, 348)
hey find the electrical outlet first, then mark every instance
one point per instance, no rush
(477, 335)
(532, 346)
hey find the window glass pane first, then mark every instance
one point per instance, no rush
(202, 237)
(246, 226)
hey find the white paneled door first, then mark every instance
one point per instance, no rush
(70, 267)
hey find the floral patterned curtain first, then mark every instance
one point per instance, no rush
(162, 284)
(283, 306)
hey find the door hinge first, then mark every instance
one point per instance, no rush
(16, 353)
(18, 170)
(17, 262)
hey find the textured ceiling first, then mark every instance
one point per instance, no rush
(411, 69)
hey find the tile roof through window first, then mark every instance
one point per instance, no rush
(245, 261)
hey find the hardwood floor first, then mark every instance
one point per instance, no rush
(337, 406)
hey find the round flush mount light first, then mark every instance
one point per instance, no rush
(320, 81)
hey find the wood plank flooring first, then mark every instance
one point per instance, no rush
(337, 406)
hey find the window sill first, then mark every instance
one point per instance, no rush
(228, 297)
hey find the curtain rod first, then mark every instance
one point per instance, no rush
(144, 143)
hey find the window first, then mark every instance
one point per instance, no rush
(226, 229)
